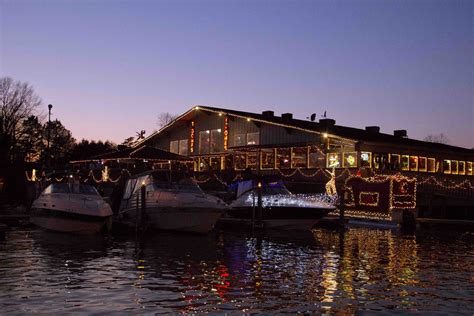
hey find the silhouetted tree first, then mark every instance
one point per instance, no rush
(17, 102)
(88, 149)
(61, 142)
(30, 142)
(128, 142)
(165, 118)
(437, 138)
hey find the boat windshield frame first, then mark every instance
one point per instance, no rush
(70, 188)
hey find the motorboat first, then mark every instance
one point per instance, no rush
(71, 207)
(173, 201)
(280, 209)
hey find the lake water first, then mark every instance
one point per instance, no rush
(323, 271)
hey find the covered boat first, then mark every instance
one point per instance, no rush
(173, 201)
(280, 209)
(71, 207)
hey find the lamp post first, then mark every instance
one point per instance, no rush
(50, 106)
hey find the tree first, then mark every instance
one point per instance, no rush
(17, 102)
(128, 142)
(88, 149)
(30, 143)
(165, 118)
(437, 138)
(61, 143)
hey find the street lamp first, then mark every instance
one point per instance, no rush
(50, 106)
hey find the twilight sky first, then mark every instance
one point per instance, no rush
(110, 67)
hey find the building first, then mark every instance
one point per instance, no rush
(223, 139)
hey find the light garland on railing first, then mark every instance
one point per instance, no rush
(295, 200)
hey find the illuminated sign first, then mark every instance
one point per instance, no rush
(191, 137)
(226, 132)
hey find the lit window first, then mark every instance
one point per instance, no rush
(267, 159)
(366, 159)
(333, 160)
(239, 161)
(183, 147)
(447, 166)
(253, 138)
(469, 168)
(454, 167)
(239, 140)
(462, 167)
(350, 160)
(413, 163)
(316, 158)
(252, 160)
(283, 158)
(422, 164)
(174, 146)
(431, 165)
(204, 141)
(405, 163)
(299, 157)
(216, 141)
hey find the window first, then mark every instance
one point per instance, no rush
(447, 166)
(422, 164)
(334, 160)
(405, 163)
(394, 161)
(431, 165)
(204, 141)
(469, 168)
(239, 140)
(174, 146)
(268, 159)
(462, 167)
(253, 138)
(239, 161)
(350, 160)
(283, 158)
(316, 158)
(366, 159)
(216, 140)
(299, 157)
(204, 163)
(454, 167)
(183, 147)
(215, 163)
(413, 163)
(252, 160)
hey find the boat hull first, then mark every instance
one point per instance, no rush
(65, 222)
(196, 220)
(287, 218)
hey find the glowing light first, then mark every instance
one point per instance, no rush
(325, 135)
(196, 107)
(248, 119)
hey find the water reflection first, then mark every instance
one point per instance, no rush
(323, 271)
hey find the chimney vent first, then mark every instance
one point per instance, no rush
(268, 113)
(373, 129)
(326, 123)
(287, 116)
(400, 133)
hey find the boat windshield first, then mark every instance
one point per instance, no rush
(273, 189)
(70, 188)
(183, 185)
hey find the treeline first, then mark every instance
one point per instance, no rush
(26, 135)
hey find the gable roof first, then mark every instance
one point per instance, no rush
(350, 134)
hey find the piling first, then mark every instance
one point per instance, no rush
(259, 204)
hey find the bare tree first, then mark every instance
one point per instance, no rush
(437, 138)
(18, 101)
(165, 118)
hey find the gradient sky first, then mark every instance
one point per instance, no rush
(110, 67)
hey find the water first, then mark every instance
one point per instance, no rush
(322, 271)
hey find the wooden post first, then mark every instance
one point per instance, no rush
(143, 203)
(259, 202)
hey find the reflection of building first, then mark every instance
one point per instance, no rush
(227, 139)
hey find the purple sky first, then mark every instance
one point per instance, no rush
(110, 67)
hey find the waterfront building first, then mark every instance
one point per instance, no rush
(224, 139)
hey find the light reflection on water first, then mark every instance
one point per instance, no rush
(326, 271)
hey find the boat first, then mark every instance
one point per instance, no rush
(280, 209)
(173, 201)
(72, 208)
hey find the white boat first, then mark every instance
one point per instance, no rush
(72, 208)
(280, 208)
(173, 201)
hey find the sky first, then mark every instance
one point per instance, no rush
(111, 67)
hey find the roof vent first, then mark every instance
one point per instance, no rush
(268, 113)
(326, 122)
(400, 133)
(373, 129)
(287, 116)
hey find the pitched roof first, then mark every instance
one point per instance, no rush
(143, 152)
(336, 131)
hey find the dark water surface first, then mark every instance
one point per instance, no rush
(361, 270)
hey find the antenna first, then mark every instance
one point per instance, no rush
(141, 134)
